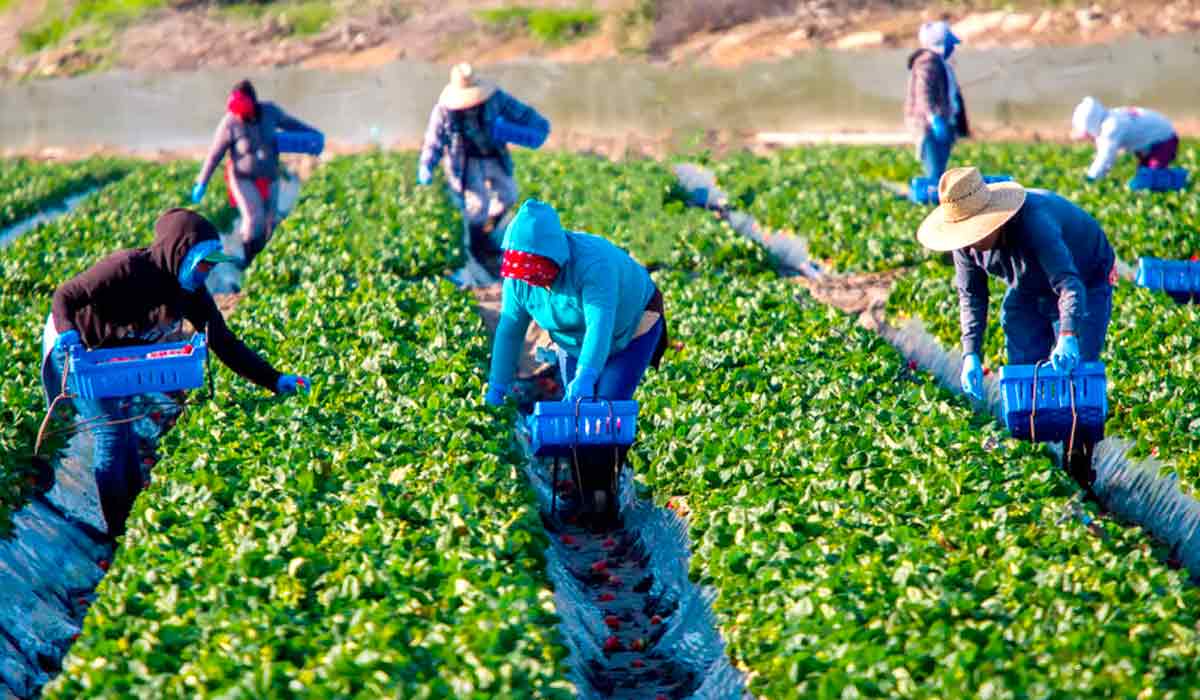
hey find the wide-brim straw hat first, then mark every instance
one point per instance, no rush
(465, 89)
(970, 210)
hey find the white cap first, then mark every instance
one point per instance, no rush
(936, 36)
(1088, 116)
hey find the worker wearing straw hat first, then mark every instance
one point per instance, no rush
(933, 107)
(472, 125)
(1056, 261)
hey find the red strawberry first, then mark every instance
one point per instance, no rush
(613, 622)
(660, 696)
(75, 636)
(1154, 451)
(656, 620)
(156, 416)
(678, 345)
(607, 597)
(148, 461)
(104, 565)
(612, 644)
(82, 601)
(638, 644)
(609, 543)
(987, 371)
(615, 581)
(146, 484)
(567, 539)
(600, 567)
(912, 365)
(637, 663)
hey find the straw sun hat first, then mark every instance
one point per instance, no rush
(465, 89)
(970, 210)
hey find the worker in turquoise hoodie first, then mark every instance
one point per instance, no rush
(596, 302)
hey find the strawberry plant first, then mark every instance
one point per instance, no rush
(27, 187)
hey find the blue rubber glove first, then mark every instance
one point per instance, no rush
(940, 129)
(972, 376)
(583, 386)
(496, 394)
(291, 383)
(424, 176)
(1065, 356)
(198, 191)
(66, 340)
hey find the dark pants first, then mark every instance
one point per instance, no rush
(1160, 155)
(624, 370)
(1029, 325)
(114, 457)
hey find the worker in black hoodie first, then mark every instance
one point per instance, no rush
(137, 297)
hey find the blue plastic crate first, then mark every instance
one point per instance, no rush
(558, 426)
(1159, 179)
(1052, 399)
(138, 369)
(310, 142)
(924, 190)
(1179, 276)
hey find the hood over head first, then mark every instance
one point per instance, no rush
(1088, 118)
(175, 234)
(937, 37)
(536, 229)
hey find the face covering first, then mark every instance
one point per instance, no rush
(534, 269)
(191, 278)
(240, 104)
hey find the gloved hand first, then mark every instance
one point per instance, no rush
(66, 340)
(940, 129)
(1065, 356)
(583, 386)
(424, 175)
(496, 394)
(198, 191)
(972, 376)
(291, 383)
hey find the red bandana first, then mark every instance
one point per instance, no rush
(240, 104)
(535, 269)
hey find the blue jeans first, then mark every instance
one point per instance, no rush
(114, 450)
(624, 370)
(934, 155)
(1029, 325)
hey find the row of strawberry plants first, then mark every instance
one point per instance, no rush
(373, 539)
(832, 196)
(26, 187)
(863, 534)
(121, 214)
(1151, 356)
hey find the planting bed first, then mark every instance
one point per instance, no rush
(26, 187)
(865, 532)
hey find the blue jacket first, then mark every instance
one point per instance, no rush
(441, 136)
(1050, 248)
(591, 311)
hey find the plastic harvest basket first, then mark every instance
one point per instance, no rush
(1168, 275)
(1051, 397)
(310, 142)
(923, 190)
(559, 426)
(138, 369)
(1159, 179)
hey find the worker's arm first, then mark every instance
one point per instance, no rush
(1108, 147)
(1046, 243)
(510, 338)
(599, 314)
(203, 313)
(220, 145)
(434, 144)
(971, 280)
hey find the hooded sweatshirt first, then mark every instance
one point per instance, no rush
(133, 297)
(593, 308)
(1119, 129)
(933, 91)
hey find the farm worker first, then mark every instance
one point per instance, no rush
(138, 297)
(1056, 261)
(1143, 132)
(934, 108)
(247, 134)
(598, 304)
(472, 124)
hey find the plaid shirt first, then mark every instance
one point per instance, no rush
(929, 94)
(444, 135)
